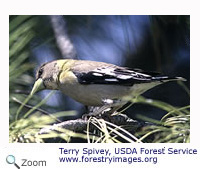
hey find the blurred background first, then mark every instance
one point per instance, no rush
(153, 43)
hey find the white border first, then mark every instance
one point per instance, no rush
(103, 7)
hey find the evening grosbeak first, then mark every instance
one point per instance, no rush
(95, 83)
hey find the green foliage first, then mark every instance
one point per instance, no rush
(26, 129)
(107, 132)
(20, 34)
(174, 127)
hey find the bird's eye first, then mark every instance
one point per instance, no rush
(40, 72)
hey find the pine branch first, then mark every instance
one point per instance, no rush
(80, 125)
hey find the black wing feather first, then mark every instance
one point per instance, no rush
(117, 76)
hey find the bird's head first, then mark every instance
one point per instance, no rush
(46, 77)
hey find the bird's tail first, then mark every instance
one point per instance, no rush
(167, 79)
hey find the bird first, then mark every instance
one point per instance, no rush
(95, 83)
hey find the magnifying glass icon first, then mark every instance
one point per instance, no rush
(10, 159)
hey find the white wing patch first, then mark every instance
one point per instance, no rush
(111, 80)
(97, 74)
(125, 76)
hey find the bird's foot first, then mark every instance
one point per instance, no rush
(97, 112)
(109, 107)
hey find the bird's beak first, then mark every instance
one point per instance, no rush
(39, 85)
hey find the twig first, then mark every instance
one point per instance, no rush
(80, 125)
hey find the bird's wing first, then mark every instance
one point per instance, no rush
(111, 74)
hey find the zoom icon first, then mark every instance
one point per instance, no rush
(10, 159)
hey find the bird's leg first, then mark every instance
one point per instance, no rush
(89, 111)
(109, 106)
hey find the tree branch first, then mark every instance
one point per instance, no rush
(80, 125)
(62, 38)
